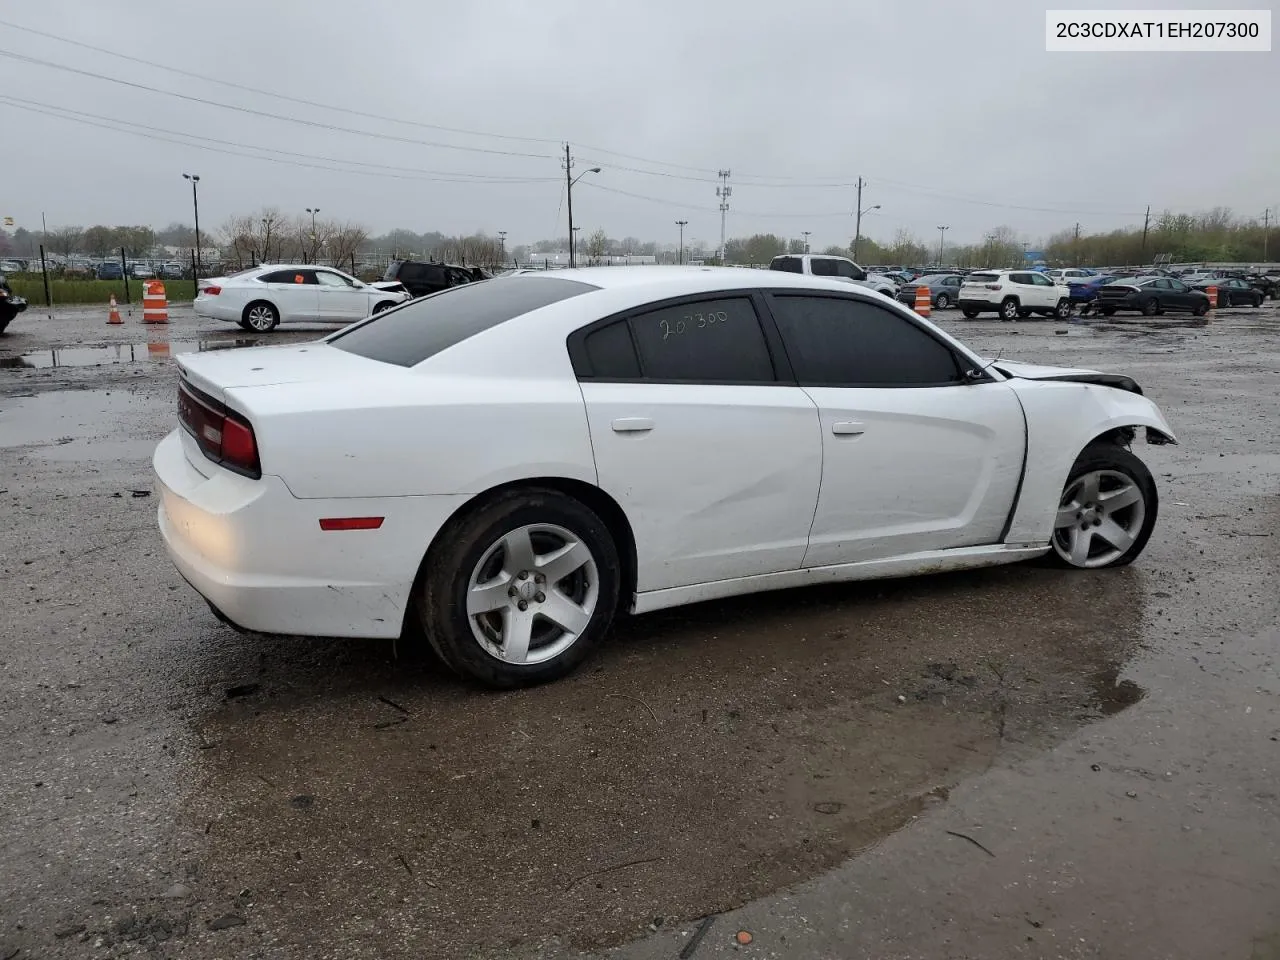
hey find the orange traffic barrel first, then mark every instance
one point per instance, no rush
(155, 308)
(158, 350)
(1213, 297)
(113, 316)
(923, 301)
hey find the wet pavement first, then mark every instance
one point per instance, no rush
(1017, 762)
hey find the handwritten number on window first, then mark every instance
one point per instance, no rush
(692, 321)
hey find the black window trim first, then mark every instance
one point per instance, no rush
(782, 372)
(962, 362)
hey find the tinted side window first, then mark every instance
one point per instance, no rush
(822, 268)
(787, 264)
(1020, 278)
(1041, 280)
(425, 327)
(288, 276)
(848, 270)
(610, 354)
(845, 342)
(708, 341)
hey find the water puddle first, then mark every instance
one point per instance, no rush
(84, 425)
(158, 351)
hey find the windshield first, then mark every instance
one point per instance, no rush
(981, 277)
(422, 328)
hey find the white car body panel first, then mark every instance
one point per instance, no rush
(956, 454)
(723, 493)
(717, 481)
(295, 302)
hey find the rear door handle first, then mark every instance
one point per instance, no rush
(848, 428)
(632, 425)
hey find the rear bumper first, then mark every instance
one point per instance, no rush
(211, 308)
(257, 555)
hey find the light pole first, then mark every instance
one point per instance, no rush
(502, 246)
(806, 234)
(573, 258)
(991, 239)
(266, 237)
(195, 206)
(857, 230)
(313, 211)
(942, 235)
(682, 224)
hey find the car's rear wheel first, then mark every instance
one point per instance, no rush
(1256, 301)
(1009, 309)
(970, 314)
(1108, 311)
(943, 301)
(261, 316)
(1150, 307)
(1107, 510)
(520, 590)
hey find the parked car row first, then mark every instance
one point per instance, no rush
(261, 298)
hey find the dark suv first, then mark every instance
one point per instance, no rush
(10, 304)
(421, 278)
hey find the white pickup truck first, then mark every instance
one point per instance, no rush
(838, 268)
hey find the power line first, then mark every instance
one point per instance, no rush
(263, 113)
(11, 102)
(269, 93)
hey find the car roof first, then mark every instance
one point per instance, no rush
(694, 279)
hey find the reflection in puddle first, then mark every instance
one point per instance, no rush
(76, 425)
(1113, 693)
(121, 353)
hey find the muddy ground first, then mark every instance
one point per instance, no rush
(1012, 762)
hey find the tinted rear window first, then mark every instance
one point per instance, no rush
(422, 328)
(981, 277)
(787, 264)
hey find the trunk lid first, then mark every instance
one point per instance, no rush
(217, 371)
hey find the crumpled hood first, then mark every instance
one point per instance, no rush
(1034, 371)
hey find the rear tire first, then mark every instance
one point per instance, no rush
(1107, 510)
(1201, 309)
(1150, 307)
(943, 301)
(1256, 301)
(1009, 309)
(473, 605)
(1108, 311)
(970, 314)
(261, 317)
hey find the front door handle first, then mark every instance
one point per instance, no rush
(848, 428)
(632, 425)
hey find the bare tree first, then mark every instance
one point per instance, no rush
(66, 240)
(341, 241)
(597, 243)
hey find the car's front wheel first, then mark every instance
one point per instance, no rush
(1150, 307)
(261, 316)
(1063, 310)
(520, 590)
(970, 314)
(1201, 308)
(384, 305)
(1256, 301)
(1107, 510)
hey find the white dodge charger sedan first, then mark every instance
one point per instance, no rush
(263, 297)
(507, 465)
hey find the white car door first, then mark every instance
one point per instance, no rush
(714, 459)
(1049, 291)
(292, 291)
(339, 298)
(916, 456)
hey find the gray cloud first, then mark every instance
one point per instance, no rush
(954, 115)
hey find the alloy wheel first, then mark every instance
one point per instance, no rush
(1099, 518)
(532, 594)
(261, 317)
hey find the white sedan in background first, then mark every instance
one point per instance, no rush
(508, 464)
(262, 297)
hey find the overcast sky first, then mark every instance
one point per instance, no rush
(954, 114)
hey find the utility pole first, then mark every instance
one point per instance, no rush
(502, 246)
(942, 235)
(682, 224)
(1266, 228)
(1075, 246)
(1146, 225)
(857, 226)
(315, 250)
(195, 205)
(991, 239)
(568, 194)
(806, 234)
(724, 192)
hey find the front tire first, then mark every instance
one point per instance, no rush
(1256, 301)
(1063, 310)
(1107, 510)
(519, 591)
(1108, 311)
(384, 305)
(970, 314)
(943, 301)
(1150, 307)
(261, 317)
(1201, 308)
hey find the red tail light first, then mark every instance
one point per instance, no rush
(223, 435)
(211, 290)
